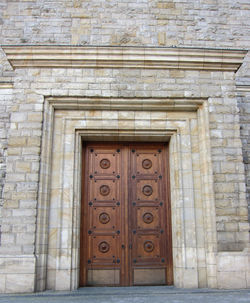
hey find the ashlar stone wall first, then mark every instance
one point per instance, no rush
(24, 91)
(32, 85)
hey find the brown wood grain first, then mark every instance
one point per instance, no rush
(126, 213)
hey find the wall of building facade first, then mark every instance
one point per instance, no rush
(178, 23)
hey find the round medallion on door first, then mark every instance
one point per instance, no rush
(147, 190)
(148, 218)
(147, 163)
(104, 218)
(104, 190)
(105, 163)
(148, 246)
(103, 247)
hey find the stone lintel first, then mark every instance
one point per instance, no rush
(124, 57)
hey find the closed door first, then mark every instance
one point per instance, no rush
(126, 220)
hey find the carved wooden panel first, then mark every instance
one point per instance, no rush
(103, 203)
(149, 231)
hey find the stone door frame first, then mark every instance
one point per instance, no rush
(67, 122)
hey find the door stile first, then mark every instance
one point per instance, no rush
(169, 271)
(130, 197)
(125, 218)
(83, 223)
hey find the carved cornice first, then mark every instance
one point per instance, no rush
(124, 57)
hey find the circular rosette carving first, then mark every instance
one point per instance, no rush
(105, 163)
(148, 246)
(146, 163)
(147, 190)
(103, 247)
(148, 218)
(104, 218)
(104, 190)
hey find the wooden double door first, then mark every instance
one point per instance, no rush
(126, 220)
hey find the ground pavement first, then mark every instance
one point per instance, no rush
(157, 294)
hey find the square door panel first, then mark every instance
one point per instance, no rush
(148, 217)
(105, 163)
(104, 189)
(99, 277)
(147, 163)
(147, 190)
(147, 247)
(104, 249)
(104, 218)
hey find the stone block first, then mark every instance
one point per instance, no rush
(23, 167)
(20, 283)
(17, 141)
(2, 283)
(234, 280)
(190, 278)
(17, 265)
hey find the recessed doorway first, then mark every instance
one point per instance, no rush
(126, 215)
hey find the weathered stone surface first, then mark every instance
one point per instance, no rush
(206, 117)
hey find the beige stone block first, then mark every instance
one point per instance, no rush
(17, 141)
(242, 236)
(63, 280)
(11, 204)
(202, 277)
(166, 5)
(231, 262)
(15, 177)
(14, 151)
(93, 114)
(20, 283)
(243, 226)
(158, 115)
(175, 73)
(31, 150)
(109, 114)
(2, 283)
(35, 117)
(126, 115)
(248, 278)
(231, 226)
(235, 280)
(142, 124)
(142, 115)
(212, 282)
(18, 117)
(242, 211)
(34, 141)
(126, 124)
(23, 166)
(190, 278)
(158, 124)
(162, 38)
(17, 265)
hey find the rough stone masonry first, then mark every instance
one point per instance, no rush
(55, 77)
